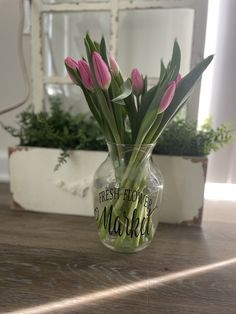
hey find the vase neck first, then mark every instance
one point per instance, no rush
(123, 154)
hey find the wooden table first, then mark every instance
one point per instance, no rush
(56, 264)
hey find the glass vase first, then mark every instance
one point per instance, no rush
(127, 192)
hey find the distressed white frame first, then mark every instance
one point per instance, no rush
(39, 79)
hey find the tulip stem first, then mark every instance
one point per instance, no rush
(138, 102)
(108, 100)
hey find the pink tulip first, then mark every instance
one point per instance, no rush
(167, 97)
(102, 73)
(114, 65)
(73, 65)
(137, 82)
(86, 74)
(178, 79)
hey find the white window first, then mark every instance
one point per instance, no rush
(140, 33)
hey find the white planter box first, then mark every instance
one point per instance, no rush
(35, 186)
(184, 183)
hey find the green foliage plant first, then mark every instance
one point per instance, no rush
(63, 130)
(182, 138)
(59, 129)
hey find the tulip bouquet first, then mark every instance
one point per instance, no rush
(130, 114)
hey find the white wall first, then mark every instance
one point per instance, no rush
(12, 87)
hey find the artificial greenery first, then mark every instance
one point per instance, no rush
(182, 138)
(57, 128)
(62, 129)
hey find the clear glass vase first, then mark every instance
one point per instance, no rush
(127, 192)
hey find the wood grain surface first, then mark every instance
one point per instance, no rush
(55, 264)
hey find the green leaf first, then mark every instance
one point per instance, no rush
(106, 112)
(90, 48)
(126, 90)
(152, 98)
(89, 57)
(119, 79)
(163, 72)
(175, 61)
(75, 74)
(146, 125)
(132, 114)
(120, 102)
(89, 53)
(103, 51)
(92, 105)
(97, 45)
(145, 85)
(183, 91)
(152, 132)
(182, 138)
(181, 96)
(91, 44)
(148, 98)
(118, 110)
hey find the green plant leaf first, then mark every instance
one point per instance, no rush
(117, 109)
(146, 126)
(92, 106)
(132, 115)
(126, 90)
(103, 51)
(152, 132)
(181, 96)
(106, 112)
(163, 72)
(75, 74)
(90, 48)
(152, 98)
(145, 87)
(89, 53)
(175, 61)
(183, 91)
(151, 101)
(91, 44)
(182, 138)
(97, 45)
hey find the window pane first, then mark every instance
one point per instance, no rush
(146, 36)
(71, 97)
(64, 34)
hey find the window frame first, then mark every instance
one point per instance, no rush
(38, 8)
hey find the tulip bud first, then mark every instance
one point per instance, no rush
(114, 65)
(167, 97)
(73, 65)
(137, 82)
(86, 74)
(178, 79)
(102, 73)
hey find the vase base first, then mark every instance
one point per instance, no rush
(124, 249)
